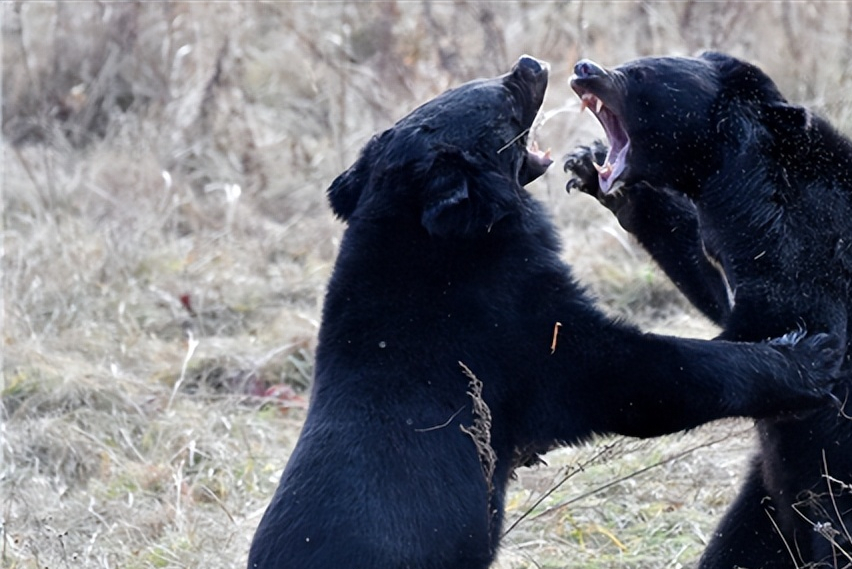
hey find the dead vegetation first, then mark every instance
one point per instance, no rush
(480, 430)
(167, 242)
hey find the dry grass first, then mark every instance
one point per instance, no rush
(167, 244)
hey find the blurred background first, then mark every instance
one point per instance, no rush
(167, 243)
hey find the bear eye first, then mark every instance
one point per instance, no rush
(639, 74)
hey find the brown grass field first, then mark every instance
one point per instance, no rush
(166, 245)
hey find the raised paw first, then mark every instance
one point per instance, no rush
(817, 356)
(581, 164)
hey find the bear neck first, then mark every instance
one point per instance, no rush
(377, 256)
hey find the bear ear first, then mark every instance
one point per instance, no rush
(455, 205)
(742, 81)
(755, 95)
(446, 207)
(789, 126)
(346, 189)
(788, 118)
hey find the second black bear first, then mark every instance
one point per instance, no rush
(441, 364)
(745, 200)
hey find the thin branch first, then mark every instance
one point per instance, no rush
(634, 474)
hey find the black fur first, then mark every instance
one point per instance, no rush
(448, 261)
(723, 172)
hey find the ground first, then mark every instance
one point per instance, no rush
(167, 245)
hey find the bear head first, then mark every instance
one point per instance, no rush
(458, 163)
(670, 120)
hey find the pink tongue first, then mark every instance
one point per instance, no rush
(613, 167)
(604, 175)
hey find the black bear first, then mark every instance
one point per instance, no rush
(745, 201)
(455, 346)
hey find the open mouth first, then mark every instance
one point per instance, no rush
(530, 75)
(619, 142)
(535, 164)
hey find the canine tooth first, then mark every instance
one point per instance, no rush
(604, 170)
(598, 105)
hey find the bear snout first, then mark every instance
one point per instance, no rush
(528, 80)
(586, 69)
(531, 64)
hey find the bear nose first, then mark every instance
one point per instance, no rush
(586, 68)
(531, 64)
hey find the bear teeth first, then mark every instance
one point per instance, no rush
(589, 101)
(534, 149)
(605, 170)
